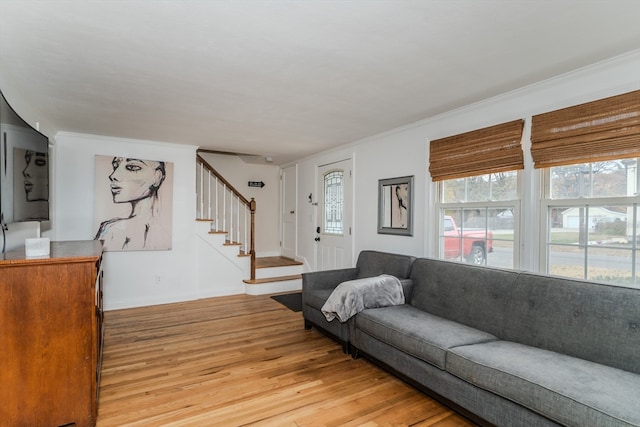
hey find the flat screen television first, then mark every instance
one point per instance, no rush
(24, 170)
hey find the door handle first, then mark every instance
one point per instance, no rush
(292, 212)
(317, 239)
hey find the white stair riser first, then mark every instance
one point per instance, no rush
(273, 287)
(231, 252)
(289, 270)
(203, 227)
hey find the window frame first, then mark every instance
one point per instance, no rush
(514, 204)
(547, 204)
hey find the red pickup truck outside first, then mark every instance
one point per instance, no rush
(471, 245)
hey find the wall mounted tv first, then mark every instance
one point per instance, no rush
(24, 169)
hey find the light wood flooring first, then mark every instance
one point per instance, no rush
(245, 360)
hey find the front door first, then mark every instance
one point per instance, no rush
(334, 231)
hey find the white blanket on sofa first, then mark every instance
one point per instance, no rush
(353, 296)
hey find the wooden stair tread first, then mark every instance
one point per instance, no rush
(275, 261)
(272, 279)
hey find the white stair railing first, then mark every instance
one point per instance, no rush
(218, 201)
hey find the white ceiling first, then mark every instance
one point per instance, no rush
(289, 78)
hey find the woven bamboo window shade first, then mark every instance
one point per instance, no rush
(488, 150)
(606, 129)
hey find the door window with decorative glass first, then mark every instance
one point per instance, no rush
(333, 202)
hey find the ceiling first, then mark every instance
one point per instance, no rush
(287, 79)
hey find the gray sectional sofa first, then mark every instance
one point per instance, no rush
(317, 286)
(505, 347)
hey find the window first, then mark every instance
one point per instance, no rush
(589, 154)
(333, 202)
(593, 221)
(478, 201)
(478, 219)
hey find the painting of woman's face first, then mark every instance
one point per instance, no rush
(134, 179)
(35, 176)
(133, 201)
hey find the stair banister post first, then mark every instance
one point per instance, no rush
(224, 207)
(217, 215)
(244, 229)
(201, 202)
(209, 192)
(252, 207)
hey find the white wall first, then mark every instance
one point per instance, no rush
(405, 151)
(239, 173)
(399, 154)
(131, 278)
(380, 157)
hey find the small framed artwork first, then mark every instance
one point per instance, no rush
(395, 206)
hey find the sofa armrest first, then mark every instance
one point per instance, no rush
(327, 279)
(407, 288)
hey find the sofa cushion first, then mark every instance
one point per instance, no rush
(317, 297)
(472, 295)
(374, 263)
(417, 333)
(591, 321)
(569, 390)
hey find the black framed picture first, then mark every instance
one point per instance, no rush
(395, 206)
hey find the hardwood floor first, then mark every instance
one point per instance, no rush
(245, 360)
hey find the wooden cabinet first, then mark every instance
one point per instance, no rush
(51, 336)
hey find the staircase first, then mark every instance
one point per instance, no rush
(275, 274)
(226, 254)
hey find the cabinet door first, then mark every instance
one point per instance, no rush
(98, 332)
(46, 342)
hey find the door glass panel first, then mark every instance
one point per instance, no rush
(333, 203)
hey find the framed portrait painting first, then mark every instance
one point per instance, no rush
(133, 203)
(395, 206)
